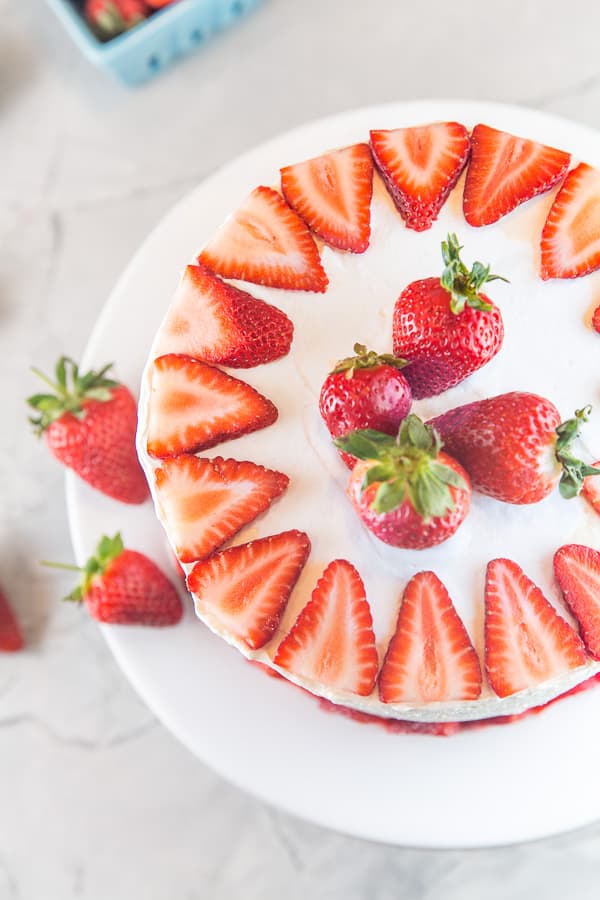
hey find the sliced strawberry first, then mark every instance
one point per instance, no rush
(420, 166)
(570, 242)
(430, 657)
(266, 242)
(526, 641)
(246, 588)
(205, 502)
(11, 637)
(218, 323)
(591, 489)
(577, 570)
(596, 319)
(505, 171)
(332, 193)
(332, 640)
(194, 406)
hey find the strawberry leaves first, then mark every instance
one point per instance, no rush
(70, 390)
(574, 470)
(406, 468)
(367, 359)
(464, 285)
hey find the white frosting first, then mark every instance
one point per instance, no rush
(548, 349)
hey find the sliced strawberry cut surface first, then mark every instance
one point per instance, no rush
(505, 171)
(577, 570)
(332, 640)
(218, 323)
(206, 502)
(266, 242)
(591, 489)
(420, 166)
(246, 588)
(332, 194)
(570, 243)
(526, 641)
(194, 406)
(430, 658)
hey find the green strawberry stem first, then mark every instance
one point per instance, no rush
(574, 470)
(70, 389)
(406, 467)
(367, 359)
(464, 286)
(107, 550)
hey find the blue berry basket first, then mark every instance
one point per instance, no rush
(137, 55)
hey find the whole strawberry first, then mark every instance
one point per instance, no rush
(108, 18)
(11, 638)
(406, 490)
(515, 447)
(445, 327)
(124, 587)
(365, 391)
(89, 423)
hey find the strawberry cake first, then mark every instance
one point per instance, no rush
(366, 421)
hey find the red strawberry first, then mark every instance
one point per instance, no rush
(365, 391)
(430, 658)
(407, 492)
(505, 171)
(124, 587)
(332, 193)
(596, 319)
(526, 641)
(218, 323)
(89, 424)
(570, 242)
(266, 242)
(591, 489)
(420, 166)
(514, 445)
(332, 640)
(108, 18)
(205, 502)
(577, 570)
(11, 638)
(194, 406)
(446, 328)
(246, 588)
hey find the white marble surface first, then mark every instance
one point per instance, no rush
(97, 800)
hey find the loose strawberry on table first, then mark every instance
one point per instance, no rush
(430, 657)
(89, 423)
(367, 390)
(332, 640)
(577, 570)
(446, 328)
(570, 242)
(205, 502)
(219, 323)
(515, 447)
(266, 242)
(124, 587)
(195, 406)
(406, 490)
(505, 171)
(332, 194)
(246, 588)
(526, 641)
(11, 637)
(420, 166)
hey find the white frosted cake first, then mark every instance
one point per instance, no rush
(549, 349)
